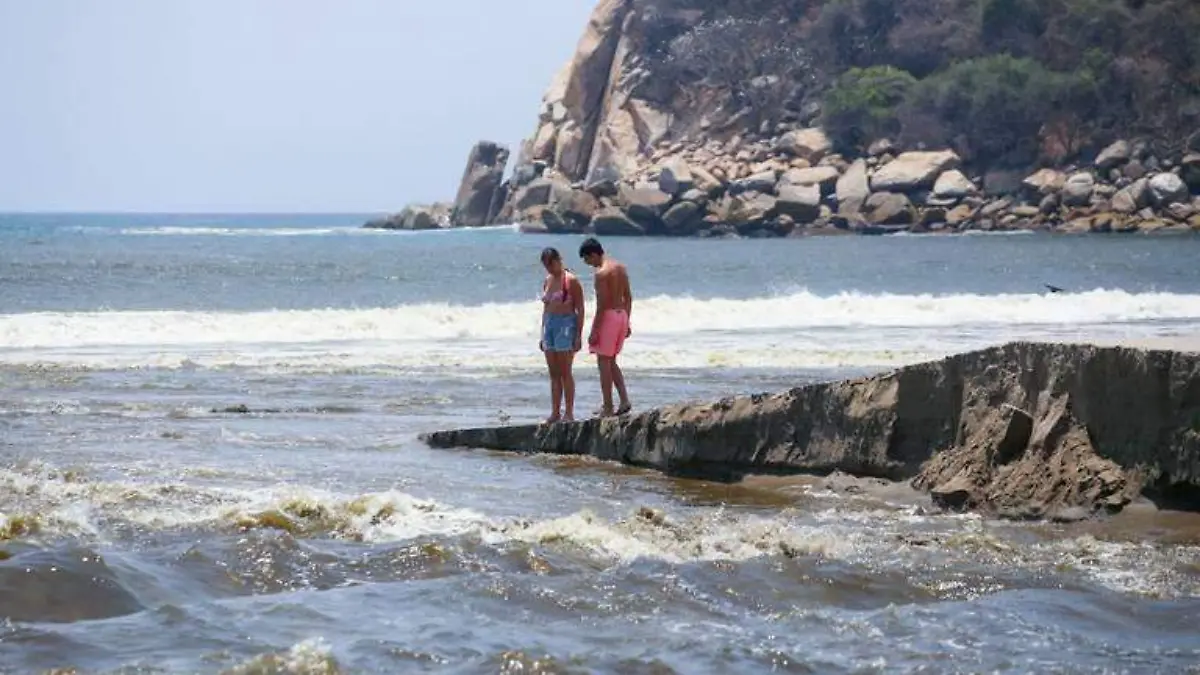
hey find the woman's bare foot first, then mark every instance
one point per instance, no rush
(553, 419)
(624, 408)
(569, 417)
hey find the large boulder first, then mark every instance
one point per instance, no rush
(1078, 189)
(479, 196)
(577, 207)
(547, 220)
(645, 203)
(961, 215)
(1167, 189)
(763, 181)
(913, 171)
(1114, 156)
(684, 218)
(889, 208)
(953, 184)
(1134, 170)
(807, 144)
(853, 188)
(825, 177)
(801, 202)
(1044, 182)
(612, 222)
(747, 208)
(675, 177)
(539, 192)
(1131, 198)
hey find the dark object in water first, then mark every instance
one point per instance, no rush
(1053, 289)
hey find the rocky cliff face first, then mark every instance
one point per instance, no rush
(1023, 430)
(592, 125)
(777, 117)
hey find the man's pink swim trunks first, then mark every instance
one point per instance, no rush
(610, 338)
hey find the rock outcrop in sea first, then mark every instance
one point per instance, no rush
(1023, 430)
(434, 216)
(478, 202)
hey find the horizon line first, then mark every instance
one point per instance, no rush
(157, 212)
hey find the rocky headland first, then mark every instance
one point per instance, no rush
(779, 118)
(1023, 430)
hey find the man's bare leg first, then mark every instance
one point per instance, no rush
(555, 386)
(618, 379)
(606, 383)
(565, 368)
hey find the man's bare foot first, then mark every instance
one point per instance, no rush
(624, 409)
(569, 417)
(604, 412)
(553, 419)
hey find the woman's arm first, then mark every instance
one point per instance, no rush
(545, 311)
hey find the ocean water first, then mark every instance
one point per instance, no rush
(209, 464)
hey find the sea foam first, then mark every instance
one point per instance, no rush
(799, 329)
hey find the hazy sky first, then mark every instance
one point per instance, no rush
(265, 105)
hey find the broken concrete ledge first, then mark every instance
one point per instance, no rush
(1023, 430)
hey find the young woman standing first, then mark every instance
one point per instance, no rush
(562, 331)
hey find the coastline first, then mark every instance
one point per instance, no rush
(665, 121)
(793, 184)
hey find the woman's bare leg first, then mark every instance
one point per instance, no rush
(566, 372)
(555, 386)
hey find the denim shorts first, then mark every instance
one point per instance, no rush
(558, 335)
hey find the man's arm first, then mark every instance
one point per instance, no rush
(580, 310)
(602, 299)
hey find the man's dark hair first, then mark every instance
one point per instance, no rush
(590, 246)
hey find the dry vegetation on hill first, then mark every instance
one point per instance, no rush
(1003, 82)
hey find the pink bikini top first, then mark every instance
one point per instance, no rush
(561, 295)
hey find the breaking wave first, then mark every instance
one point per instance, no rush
(793, 330)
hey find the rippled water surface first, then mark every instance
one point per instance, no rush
(209, 464)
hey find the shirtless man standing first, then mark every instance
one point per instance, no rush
(610, 327)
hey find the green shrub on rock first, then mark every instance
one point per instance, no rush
(863, 105)
(989, 108)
